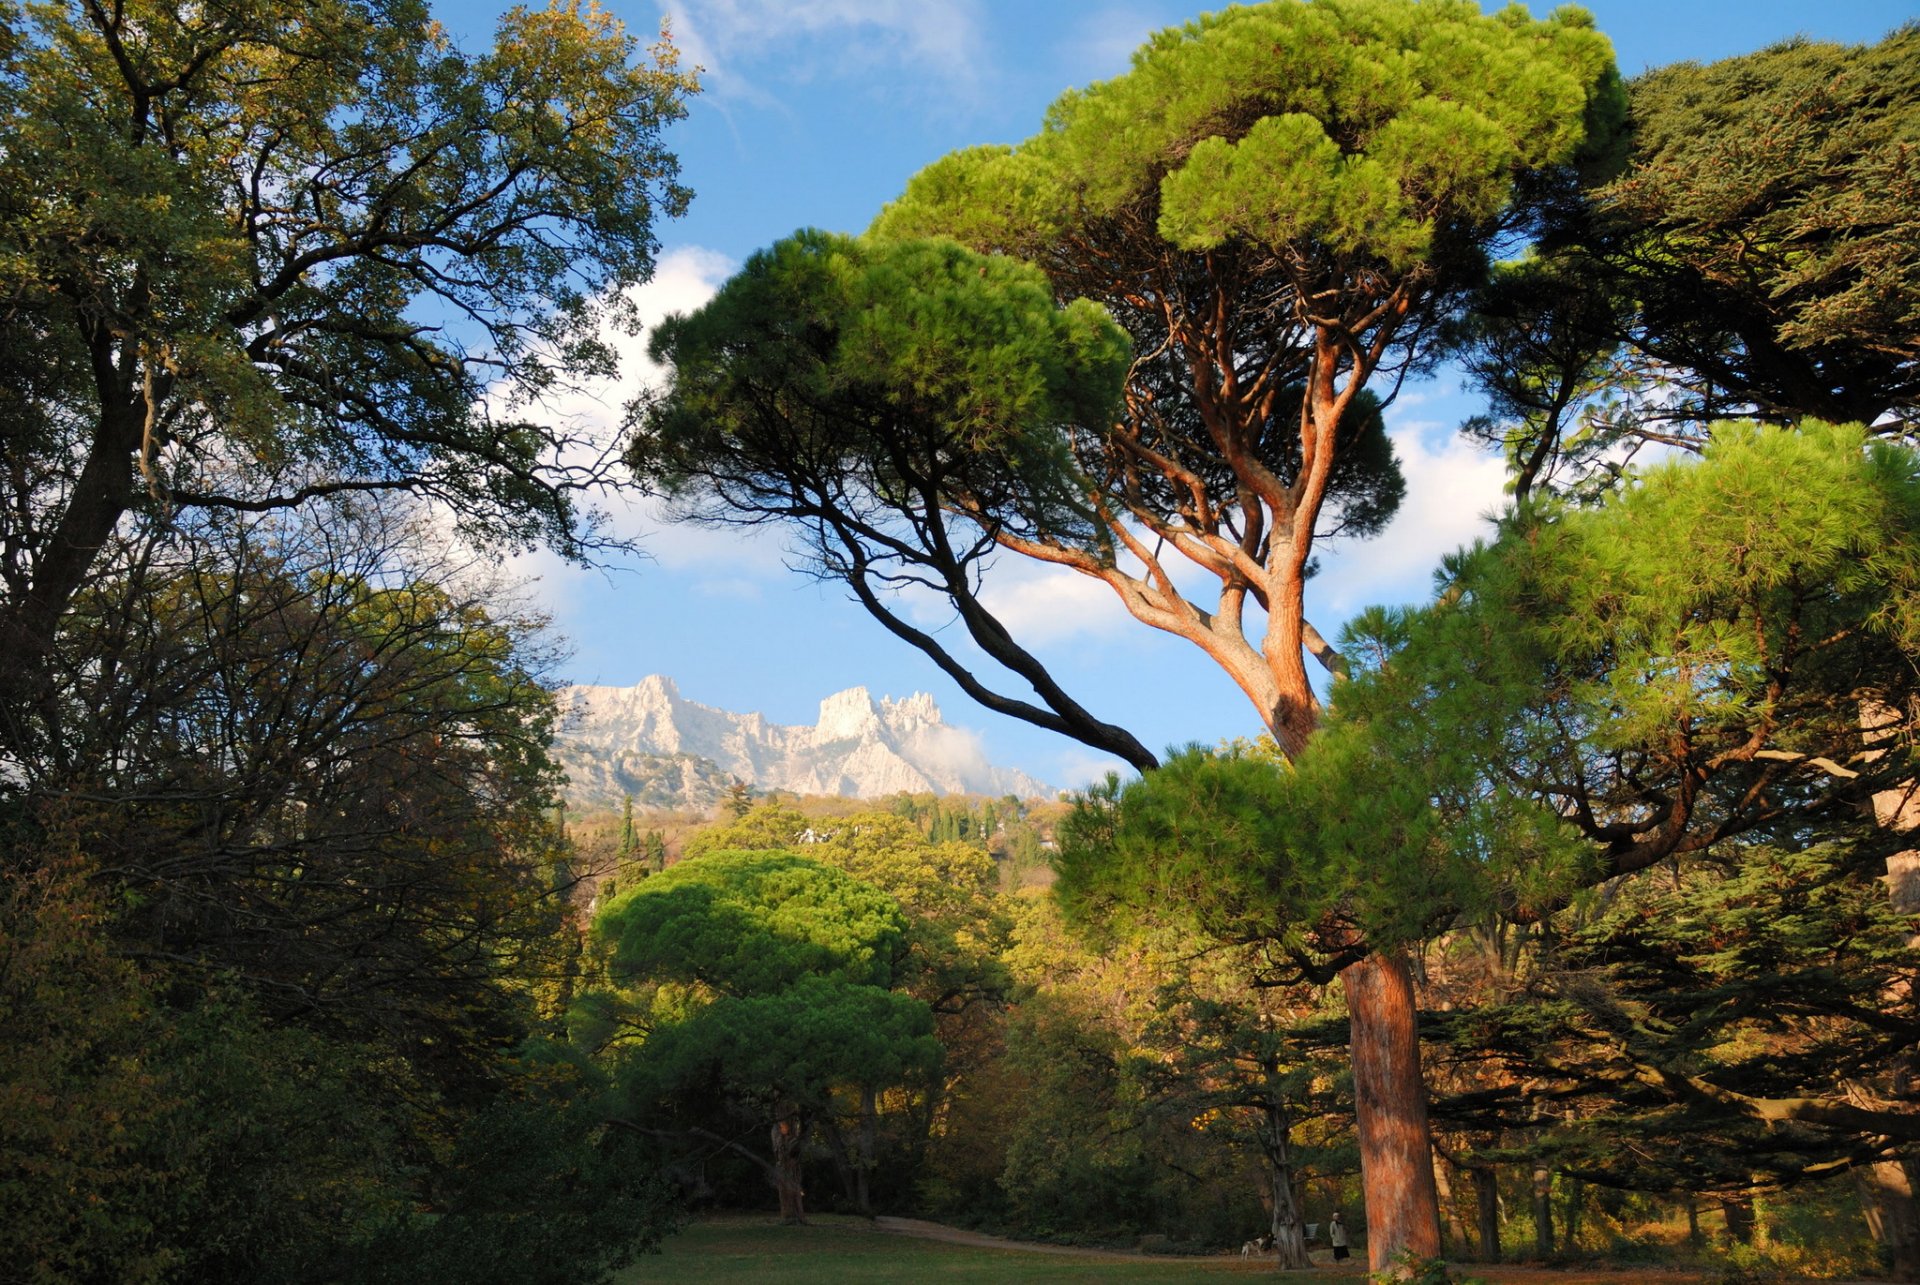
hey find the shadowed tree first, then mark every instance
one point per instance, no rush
(312, 761)
(1757, 256)
(261, 252)
(946, 958)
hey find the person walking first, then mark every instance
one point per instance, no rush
(1337, 1237)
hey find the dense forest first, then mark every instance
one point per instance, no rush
(1570, 914)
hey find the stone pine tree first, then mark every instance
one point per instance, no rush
(1704, 672)
(765, 981)
(1674, 679)
(1277, 205)
(857, 390)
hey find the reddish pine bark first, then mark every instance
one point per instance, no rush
(1390, 1109)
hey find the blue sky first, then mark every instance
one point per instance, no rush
(815, 113)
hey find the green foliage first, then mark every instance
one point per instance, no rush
(1685, 664)
(971, 344)
(1780, 184)
(629, 841)
(1294, 857)
(1360, 131)
(930, 877)
(537, 1189)
(224, 225)
(1666, 1011)
(751, 999)
(795, 1044)
(925, 370)
(76, 1097)
(749, 923)
(1275, 202)
(1755, 257)
(318, 767)
(653, 849)
(1204, 838)
(1711, 669)
(1073, 1158)
(311, 779)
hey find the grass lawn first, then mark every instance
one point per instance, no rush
(837, 1251)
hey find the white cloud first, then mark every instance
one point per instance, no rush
(1041, 604)
(591, 413)
(1453, 487)
(684, 278)
(731, 587)
(1076, 768)
(738, 42)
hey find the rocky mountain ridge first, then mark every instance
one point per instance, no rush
(651, 742)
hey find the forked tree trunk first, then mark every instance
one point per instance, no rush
(845, 1162)
(1288, 1229)
(1738, 1212)
(1390, 1111)
(1486, 1201)
(1576, 1201)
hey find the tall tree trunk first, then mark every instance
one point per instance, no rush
(1542, 1210)
(1486, 1199)
(1288, 1228)
(846, 1165)
(863, 1165)
(1893, 1216)
(1887, 1188)
(787, 1133)
(1390, 1110)
(1453, 1228)
(30, 617)
(1576, 1197)
(1738, 1212)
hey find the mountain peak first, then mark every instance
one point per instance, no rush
(847, 714)
(650, 741)
(917, 708)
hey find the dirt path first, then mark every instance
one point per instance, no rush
(1502, 1275)
(957, 1236)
